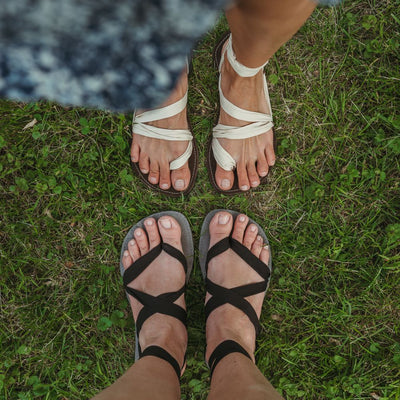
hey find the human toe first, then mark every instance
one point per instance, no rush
(253, 175)
(240, 227)
(220, 226)
(133, 250)
(270, 153)
(154, 174)
(257, 246)
(141, 240)
(180, 178)
(170, 231)
(126, 260)
(165, 181)
(135, 151)
(152, 232)
(243, 179)
(224, 178)
(262, 165)
(250, 235)
(144, 163)
(264, 255)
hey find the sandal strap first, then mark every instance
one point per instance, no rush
(141, 127)
(163, 303)
(222, 350)
(157, 351)
(258, 122)
(236, 296)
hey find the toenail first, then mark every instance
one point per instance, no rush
(266, 247)
(254, 183)
(132, 243)
(244, 187)
(272, 163)
(225, 183)
(138, 233)
(259, 238)
(166, 223)
(144, 171)
(126, 254)
(179, 183)
(153, 179)
(149, 222)
(263, 173)
(164, 186)
(253, 228)
(242, 218)
(133, 159)
(223, 219)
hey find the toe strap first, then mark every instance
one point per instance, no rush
(222, 350)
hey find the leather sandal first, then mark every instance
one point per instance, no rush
(163, 303)
(140, 126)
(259, 123)
(234, 296)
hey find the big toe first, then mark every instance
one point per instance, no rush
(220, 226)
(224, 178)
(180, 178)
(170, 231)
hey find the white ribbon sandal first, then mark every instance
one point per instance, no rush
(259, 123)
(140, 127)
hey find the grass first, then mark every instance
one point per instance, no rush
(331, 210)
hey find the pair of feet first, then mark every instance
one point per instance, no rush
(254, 156)
(165, 274)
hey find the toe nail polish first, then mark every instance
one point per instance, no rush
(225, 183)
(166, 223)
(179, 183)
(223, 219)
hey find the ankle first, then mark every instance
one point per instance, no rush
(224, 330)
(170, 337)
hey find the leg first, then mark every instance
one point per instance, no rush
(151, 377)
(148, 378)
(259, 29)
(236, 376)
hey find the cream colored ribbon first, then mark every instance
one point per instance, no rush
(140, 127)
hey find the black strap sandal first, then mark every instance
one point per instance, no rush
(234, 296)
(163, 303)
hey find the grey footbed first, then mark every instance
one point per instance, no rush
(187, 246)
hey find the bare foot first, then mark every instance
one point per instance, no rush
(154, 155)
(255, 155)
(164, 274)
(229, 270)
